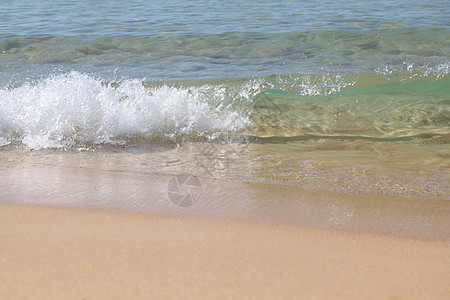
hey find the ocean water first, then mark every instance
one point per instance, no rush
(351, 96)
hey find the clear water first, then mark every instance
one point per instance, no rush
(341, 95)
(166, 40)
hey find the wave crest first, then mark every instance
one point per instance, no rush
(69, 109)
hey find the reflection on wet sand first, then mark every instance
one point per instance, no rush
(253, 182)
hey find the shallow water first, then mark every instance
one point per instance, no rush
(339, 96)
(210, 39)
(184, 181)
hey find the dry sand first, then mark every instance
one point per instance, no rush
(85, 254)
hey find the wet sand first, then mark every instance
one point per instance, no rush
(113, 182)
(100, 225)
(81, 254)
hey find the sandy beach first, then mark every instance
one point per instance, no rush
(225, 150)
(84, 254)
(79, 229)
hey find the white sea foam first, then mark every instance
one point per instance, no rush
(69, 109)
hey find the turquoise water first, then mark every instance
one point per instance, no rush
(77, 75)
(92, 72)
(159, 40)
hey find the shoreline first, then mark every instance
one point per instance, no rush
(125, 190)
(91, 226)
(76, 253)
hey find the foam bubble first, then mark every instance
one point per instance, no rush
(70, 109)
